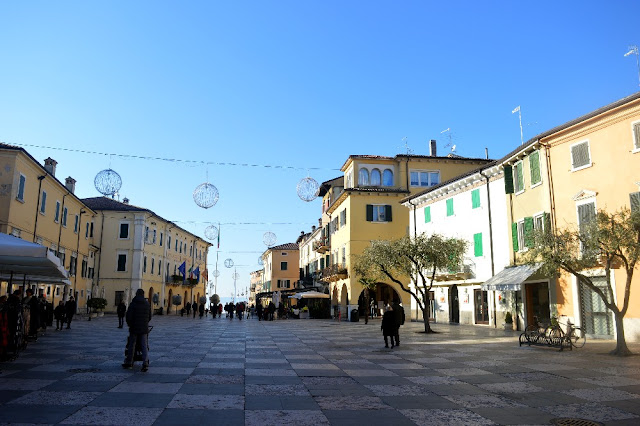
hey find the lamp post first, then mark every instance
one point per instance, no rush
(633, 50)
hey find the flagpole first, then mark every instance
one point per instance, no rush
(517, 109)
(215, 286)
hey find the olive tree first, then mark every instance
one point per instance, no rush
(609, 241)
(418, 257)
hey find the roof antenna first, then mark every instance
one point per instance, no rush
(449, 137)
(406, 146)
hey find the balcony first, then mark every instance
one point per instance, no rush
(322, 245)
(463, 272)
(334, 273)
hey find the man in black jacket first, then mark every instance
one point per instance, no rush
(398, 314)
(70, 308)
(138, 317)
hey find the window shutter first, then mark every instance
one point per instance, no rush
(475, 198)
(528, 232)
(634, 199)
(450, 207)
(508, 180)
(547, 222)
(534, 166)
(636, 135)
(580, 155)
(586, 213)
(427, 214)
(477, 244)
(387, 213)
(520, 177)
(369, 213)
(514, 236)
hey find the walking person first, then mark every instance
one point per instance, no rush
(388, 326)
(200, 310)
(70, 310)
(58, 313)
(219, 310)
(188, 308)
(259, 311)
(398, 315)
(122, 310)
(138, 317)
(195, 309)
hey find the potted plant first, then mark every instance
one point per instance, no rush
(97, 304)
(304, 312)
(508, 321)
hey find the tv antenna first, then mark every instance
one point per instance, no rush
(449, 137)
(408, 150)
(633, 50)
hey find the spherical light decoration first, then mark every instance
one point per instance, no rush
(269, 239)
(308, 189)
(216, 273)
(260, 261)
(228, 263)
(211, 232)
(236, 276)
(107, 182)
(205, 195)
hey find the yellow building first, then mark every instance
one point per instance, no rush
(281, 268)
(368, 208)
(139, 249)
(37, 207)
(256, 280)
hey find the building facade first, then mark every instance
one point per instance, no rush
(281, 268)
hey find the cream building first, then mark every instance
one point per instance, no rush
(139, 249)
(281, 268)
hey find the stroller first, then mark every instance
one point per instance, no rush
(137, 354)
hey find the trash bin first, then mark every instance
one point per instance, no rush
(355, 316)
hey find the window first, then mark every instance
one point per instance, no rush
(477, 244)
(344, 257)
(534, 168)
(124, 230)
(518, 177)
(363, 177)
(376, 177)
(387, 177)
(450, 207)
(76, 224)
(349, 180)
(427, 214)
(343, 217)
(86, 231)
(122, 262)
(146, 234)
(424, 178)
(57, 215)
(475, 198)
(64, 217)
(177, 245)
(20, 194)
(154, 236)
(634, 199)
(84, 267)
(73, 264)
(636, 136)
(283, 283)
(161, 239)
(119, 297)
(43, 202)
(283, 266)
(169, 241)
(580, 156)
(153, 261)
(190, 250)
(378, 213)
(586, 216)
(521, 243)
(144, 265)
(91, 230)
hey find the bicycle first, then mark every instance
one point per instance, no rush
(574, 336)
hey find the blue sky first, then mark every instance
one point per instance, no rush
(294, 84)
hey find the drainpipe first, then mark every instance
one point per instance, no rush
(35, 225)
(495, 307)
(60, 219)
(75, 276)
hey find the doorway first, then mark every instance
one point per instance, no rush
(481, 306)
(454, 305)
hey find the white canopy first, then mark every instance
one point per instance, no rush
(30, 261)
(310, 295)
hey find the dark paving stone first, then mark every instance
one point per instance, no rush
(211, 389)
(157, 378)
(175, 416)
(366, 417)
(48, 414)
(418, 402)
(41, 375)
(266, 380)
(269, 402)
(320, 373)
(383, 380)
(10, 395)
(80, 386)
(127, 399)
(514, 415)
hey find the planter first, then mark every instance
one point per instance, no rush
(94, 315)
(100, 314)
(508, 326)
(304, 315)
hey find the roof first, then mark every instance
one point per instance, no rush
(325, 186)
(450, 157)
(287, 246)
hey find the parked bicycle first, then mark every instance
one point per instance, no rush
(573, 335)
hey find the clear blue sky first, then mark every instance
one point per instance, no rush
(292, 83)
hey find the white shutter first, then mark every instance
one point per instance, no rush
(636, 135)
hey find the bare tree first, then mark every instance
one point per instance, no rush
(418, 257)
(609, 241)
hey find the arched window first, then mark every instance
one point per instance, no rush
(375, 177)
(363, 177)
(387, 177)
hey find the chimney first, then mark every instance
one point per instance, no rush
(320, 223)
(50, 166)
(313, 228)
(125, 200)
(486, 153)
(432, 148)
(70, 183)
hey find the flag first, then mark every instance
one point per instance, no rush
(190, 271)
(182, 269)
(218, 235)
(516, 109)
(196, 272)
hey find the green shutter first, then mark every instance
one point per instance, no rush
(450, 207)
(477, 244)
(369, 213)
(427, 214)
(528, 232)
(508, 180)
(321, 263)
(520, 177)
(475, 198)
(634, 199)
(514, 236)
(534, 166)
(387, 213)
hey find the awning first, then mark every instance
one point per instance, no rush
(310, 295)
(510, 279)
(29, 261)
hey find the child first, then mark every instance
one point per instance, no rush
(388, 326)
(59, 313)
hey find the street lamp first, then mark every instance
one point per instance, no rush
(633, 50)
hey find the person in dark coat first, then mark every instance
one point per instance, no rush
(122, 311)
(200, 310)
(259, 311)
(388, 326)
(188, 308)
(398, 315)
(59, 313)
(219, 310)
(70, 310)
(272, 310)
(31, 302)
(195, 309)
(138, 317)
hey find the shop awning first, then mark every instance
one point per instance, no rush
(510, 279)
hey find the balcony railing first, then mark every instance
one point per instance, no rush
(334, 273)
(322, 245)
(462, 272)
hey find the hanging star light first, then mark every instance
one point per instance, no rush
(216, 273)
(269, 239)
(228, 263)
(211, 232)
(307, 189)
(205, 195)
(236, 276)
(107, 182)
(260, 261)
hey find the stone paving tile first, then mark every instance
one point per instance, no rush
(511, 387)
(590, 411)
(351, 403)
(208, 402)
(71, 397)
(440, 417)
(285, 418)
(602, 394)
(483, 401)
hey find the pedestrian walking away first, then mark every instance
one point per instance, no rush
(59, 314)
(195, 309)
(187, 307)
(70, 310)
(398, 315)
(138, 317)
(200, 310)
(388, 326)
(122, 310)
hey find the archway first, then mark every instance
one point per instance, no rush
(454, 305)
(344, 301)
(150, 296)
(169, 301)
(382, 294)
